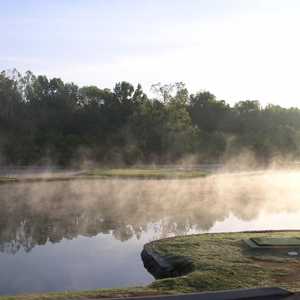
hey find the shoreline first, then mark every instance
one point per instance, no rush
(189, 264)
(102, 174)
(218, 261)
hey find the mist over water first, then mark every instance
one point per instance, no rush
(87, 234)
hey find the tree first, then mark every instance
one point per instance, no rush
(207, 113)
(47, 117)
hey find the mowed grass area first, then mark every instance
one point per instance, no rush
(5, 179)
(125, 173)
(95, 294)
(224, 261)
(151, 173)
(221, 261)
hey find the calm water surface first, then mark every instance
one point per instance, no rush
(89, 234)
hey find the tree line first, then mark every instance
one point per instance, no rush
(46, 120)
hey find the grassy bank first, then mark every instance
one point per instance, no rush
(126, 173)
(5, 179)
(224, 261)
(95, 294)
(150, 173)
(220, 262)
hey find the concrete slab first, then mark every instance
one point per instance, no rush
(276, 242)
(279, 247)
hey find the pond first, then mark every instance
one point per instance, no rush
(88, 234)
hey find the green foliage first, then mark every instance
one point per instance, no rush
(48, 119)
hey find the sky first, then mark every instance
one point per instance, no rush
(236, 49)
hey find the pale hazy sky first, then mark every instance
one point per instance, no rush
(237, 49)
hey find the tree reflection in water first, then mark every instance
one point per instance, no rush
(36, 213)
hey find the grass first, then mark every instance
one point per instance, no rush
(126, 173)
(5, 179)
(224, 261)
(221, 261)
(155, 173)
(80, 295)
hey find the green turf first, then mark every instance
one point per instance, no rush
(4, 179)
(224, 261)
(125, 173)
(152, 173)
(95, 294)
